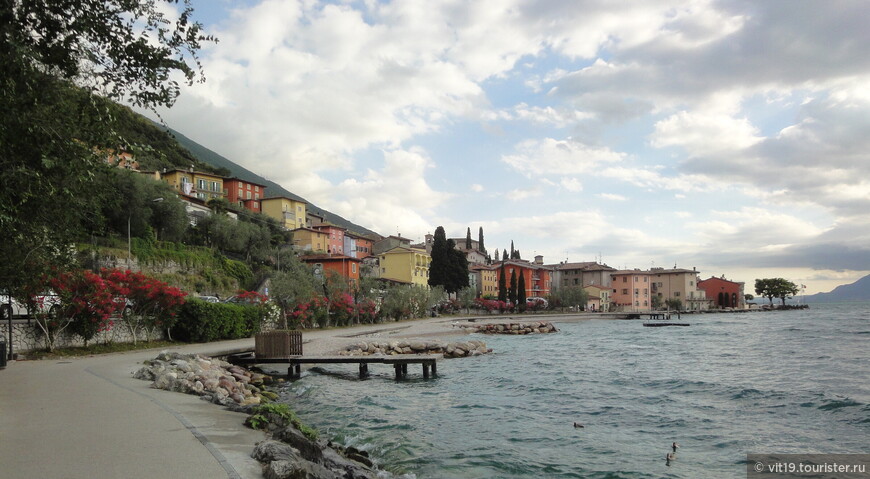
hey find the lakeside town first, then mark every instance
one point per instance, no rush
(397, 260)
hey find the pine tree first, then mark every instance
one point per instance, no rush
(512, 292)
(480, 246)
(502, 285)
(468, 239)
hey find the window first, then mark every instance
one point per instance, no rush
(240, 193)
(636, 291)
(676, 294)
(200, 184)
(645, 279)
(383, 270)
(625, 279)
(353, 267)
(215, 186)
(624, 291)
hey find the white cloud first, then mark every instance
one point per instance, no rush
(477, 188)
(612, 197)
(563, 157)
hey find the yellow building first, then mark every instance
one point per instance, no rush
(405, 265)
(487, 279)
(197, 184)
(599, 297)
(290, 213)
(307, 239)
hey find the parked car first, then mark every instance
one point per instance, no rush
(542, 302)
(210, 299)
(47, 302)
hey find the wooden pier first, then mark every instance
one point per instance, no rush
(399, 362)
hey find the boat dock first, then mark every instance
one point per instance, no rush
(399, 362)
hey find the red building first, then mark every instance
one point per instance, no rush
(723, 293)
(341, 264)
(536, 276)
(364, 246)
(246, 194)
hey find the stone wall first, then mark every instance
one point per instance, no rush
(512, 328)
(26, 336)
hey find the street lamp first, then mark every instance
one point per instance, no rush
(129, 240)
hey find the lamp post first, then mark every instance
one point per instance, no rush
(129, 238)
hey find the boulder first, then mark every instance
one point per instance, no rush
(417, 346)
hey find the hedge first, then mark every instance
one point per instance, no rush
(201, 322)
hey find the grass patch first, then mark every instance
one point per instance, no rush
(96, 349)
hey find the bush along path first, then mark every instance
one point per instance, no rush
(293, 449)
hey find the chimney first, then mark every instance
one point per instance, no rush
(539, 259)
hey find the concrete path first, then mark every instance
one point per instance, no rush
(89, 418)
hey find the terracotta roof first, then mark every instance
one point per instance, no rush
(327, 257)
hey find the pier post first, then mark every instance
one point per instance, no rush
(405, 369)
(425, 370)
(434, 368)
(363, 370)
(398, 368)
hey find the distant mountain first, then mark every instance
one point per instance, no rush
(857, 291)
(205, 155)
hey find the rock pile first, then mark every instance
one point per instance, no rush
(218, 381)
(459, 349)
(513, 328)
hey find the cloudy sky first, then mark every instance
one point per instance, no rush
(730, 136)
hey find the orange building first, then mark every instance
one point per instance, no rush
(364, 246)
(341, 264)
(246, 194)
(536, 276)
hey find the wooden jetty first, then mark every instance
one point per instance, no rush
(399, 362)
(658, 325)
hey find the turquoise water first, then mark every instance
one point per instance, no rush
(731, 384)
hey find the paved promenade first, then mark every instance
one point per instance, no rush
(89, 418)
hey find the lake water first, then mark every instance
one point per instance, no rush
(731, 384)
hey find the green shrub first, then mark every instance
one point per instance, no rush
(200, 322)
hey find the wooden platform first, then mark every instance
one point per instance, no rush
(399, 362)
(658, 325)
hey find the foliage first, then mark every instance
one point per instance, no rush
(308, 314)
(490, 305)
(674, 304)
(502, 284)
(199, 321)
(775, 288)
(521, 292)
(153, 303)
(149, 207)
(480, 246)
(466, 297)
(261, 414)
(512, 290)
(403, 302)
(56, 56)
(85, 306)
(568, 296)
(449, 267)
(292, 286)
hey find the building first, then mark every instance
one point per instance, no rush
(536, 276)
(390, 242)
(486, 279)
(581, 274)
(290, 213)
(723, 293)
(245, 194)
(310, 240)
(346, 266)
(364, 245)
(679, 284)
(198, 184)
(405, 265)
(599, 297)
(630, 290)
(335, 235)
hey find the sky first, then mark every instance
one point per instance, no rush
(728, 136)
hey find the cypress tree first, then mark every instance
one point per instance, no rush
(496, 256)
(512, 292)
(521, 291)
(504, 255)
(512, 249)
(440, 266)
(480, 246)
(458, 270)
(468, 239)
(502, 285)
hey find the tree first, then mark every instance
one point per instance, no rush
(512, 291)
(480, 246)
(86, 301)
(466, 296)
(502, 285)
(521, 291)
(775, 288)
(512, 249)
(449, 267)
(504, 255)
(496, 256)
(293, 285)
(468, 239)
(569, 296)
(56, 57)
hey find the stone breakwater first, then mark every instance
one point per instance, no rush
(512, 328)
(288, 453)
(215, 380)
(458, 349)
